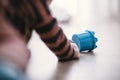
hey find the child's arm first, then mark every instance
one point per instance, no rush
(51, 34)
(35, 13)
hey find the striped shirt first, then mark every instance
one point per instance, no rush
(28, 15)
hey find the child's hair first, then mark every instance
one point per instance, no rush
(0, 11)
(0, 7)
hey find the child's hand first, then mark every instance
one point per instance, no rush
(77, 53)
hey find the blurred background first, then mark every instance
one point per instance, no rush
(76, 16)
(86, 9)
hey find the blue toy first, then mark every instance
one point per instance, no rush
(10, 72)
(85, 41)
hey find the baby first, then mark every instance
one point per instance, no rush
(18, 18)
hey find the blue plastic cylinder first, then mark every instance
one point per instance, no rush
(85, 41)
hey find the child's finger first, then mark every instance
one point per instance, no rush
(76, 49)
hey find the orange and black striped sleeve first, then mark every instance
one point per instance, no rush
(35, 14)
(51, 33)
